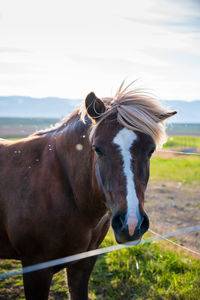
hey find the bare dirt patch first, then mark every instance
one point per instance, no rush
(172, 206)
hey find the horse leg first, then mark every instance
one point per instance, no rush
(78, 274)
(37, 284)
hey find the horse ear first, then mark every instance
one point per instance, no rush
(94, 106)
(165, 116)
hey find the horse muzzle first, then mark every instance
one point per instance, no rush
(122, 231)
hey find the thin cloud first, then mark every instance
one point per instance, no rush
(156, 40)
(178, 15)
(13, 50)
(115, 64)
(16, 68)
(189, 23)
(176, 57)
(186, 23)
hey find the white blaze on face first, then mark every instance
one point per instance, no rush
(124, 140)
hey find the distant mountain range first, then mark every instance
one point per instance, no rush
(27, 107)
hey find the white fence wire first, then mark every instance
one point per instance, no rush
(87, 254)
(179, 152)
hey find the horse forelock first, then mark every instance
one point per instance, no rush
(135, 109)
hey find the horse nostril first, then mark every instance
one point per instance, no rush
(144, 226)
(118, 221)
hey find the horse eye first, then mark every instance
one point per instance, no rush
(98, 151)
(151, 152)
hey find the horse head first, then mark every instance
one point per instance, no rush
(121, 157)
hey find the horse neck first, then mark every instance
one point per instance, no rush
(76, 156)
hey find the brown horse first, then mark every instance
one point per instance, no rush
(60, 188)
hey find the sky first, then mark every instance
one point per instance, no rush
(68, 48)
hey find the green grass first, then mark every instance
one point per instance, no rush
(180, 169)
(12, 139)
(28, 122)
(183, 129)
(184, 169)
(150, 271)
(183, 141)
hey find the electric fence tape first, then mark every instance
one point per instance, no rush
(96, 252)
(179, 152)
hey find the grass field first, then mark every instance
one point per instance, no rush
(183, 129)
(182, 142)
(151, 271)
(180, 169)
(22, 127)
(30, 122)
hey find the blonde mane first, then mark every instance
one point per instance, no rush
(135, 110)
